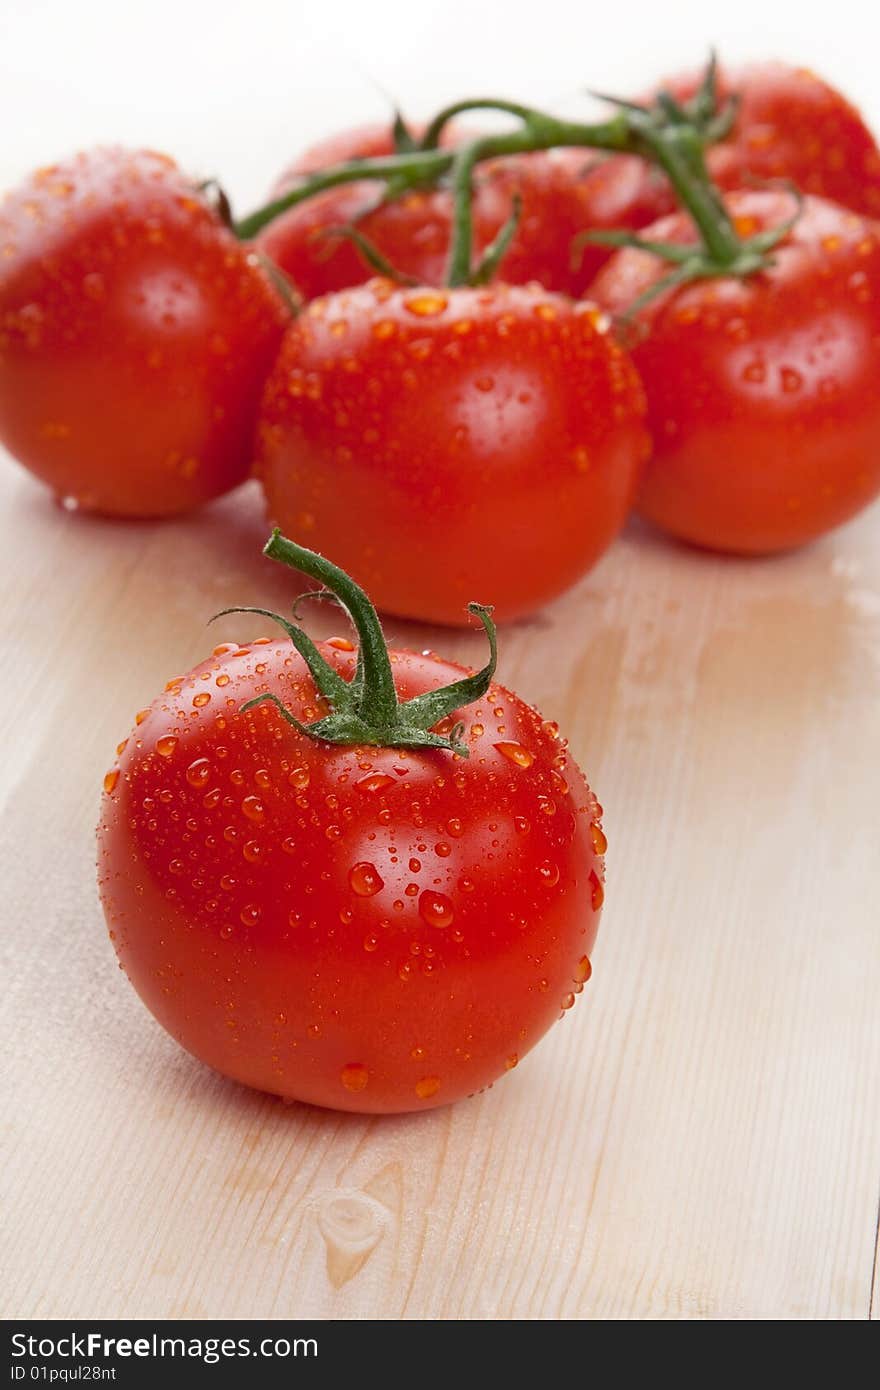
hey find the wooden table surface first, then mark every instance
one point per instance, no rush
(700, 1136)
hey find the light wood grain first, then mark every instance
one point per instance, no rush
(700, 1138)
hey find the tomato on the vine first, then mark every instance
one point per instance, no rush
(361, 914)
(446, 443)
(135, 335)
(762, 392)
(790, 124)
(562, 194)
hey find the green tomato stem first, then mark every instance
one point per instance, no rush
(670, 136)
(431, 138)
(366, 710)
(426, 167)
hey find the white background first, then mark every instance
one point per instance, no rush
(234, 89)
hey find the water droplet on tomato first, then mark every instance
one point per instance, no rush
(198, 773)
(516, 754)
(365, 880)
(597, 891)
(166, 745)
(110, 780)
(522, 825)
(223, 679)
(426, 306)
(203, 698)
(511, 1061)
(791, 379)
(600, 841)
(354, 1076)
(428, 1086)
(583, 970)
(250, 914)
(253, 851)
(436, 909)
(454, 827)
(567, 1001)
(299, 778)
(548, 873)
(254, 809)
(374, 782)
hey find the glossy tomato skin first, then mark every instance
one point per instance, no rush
(135, 336)
(563, 193)
(450, 446)
(367, 929)
(792, 125)
(762, 394)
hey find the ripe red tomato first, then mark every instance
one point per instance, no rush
(790, 125)
(135, 336)
(366, 928)
(563, 193)
(762, 393)
(445, 444)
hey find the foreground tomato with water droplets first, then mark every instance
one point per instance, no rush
(762, 393)
(135, 336)
(370, 928)
(448, 444)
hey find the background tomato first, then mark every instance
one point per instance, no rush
(762, 393)
(448, 446)
(370, 929)
(790, 124)
(135, 336)
(562, 192)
